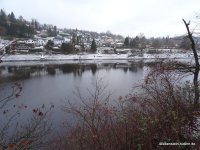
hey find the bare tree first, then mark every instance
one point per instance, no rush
(16, 135)
(160, 113)
(196, 67)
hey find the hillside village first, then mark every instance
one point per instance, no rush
(75, 41)
(78, 41)
(18, 36)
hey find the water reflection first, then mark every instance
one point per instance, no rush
(56, 83)
(12, 73)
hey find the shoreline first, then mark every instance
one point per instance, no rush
(62, 57)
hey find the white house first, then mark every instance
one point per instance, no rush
(58, 41)
(67, 40)
(119, 44)
(40, 42)
(30, 41)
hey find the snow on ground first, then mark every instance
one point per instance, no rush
(34, 57)
(1, 45)
(63, 57)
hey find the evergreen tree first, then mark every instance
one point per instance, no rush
(3, 23)
(12, 18)
(35, 24)
(74, 42)
(49, 31)
(135, 42)
(127, 42)
(93, 46)
(78, 40)
(49, 45)
(21, 19)
(10, 26)
(54, 31)
(82, 47)
(13, 26)
(3, 19)
(67, 47)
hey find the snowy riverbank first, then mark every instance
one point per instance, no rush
(34, 57)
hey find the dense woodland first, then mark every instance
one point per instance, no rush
(12, 26)
(19, 27)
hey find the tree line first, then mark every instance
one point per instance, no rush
(21, 28)
(12, 26)
(141, 42)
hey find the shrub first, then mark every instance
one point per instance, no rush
(162, 112)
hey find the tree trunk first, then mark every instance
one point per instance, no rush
(196, 71)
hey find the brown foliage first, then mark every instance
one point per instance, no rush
(162, 112)
(30, 135)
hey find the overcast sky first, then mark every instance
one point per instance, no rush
(125, 17)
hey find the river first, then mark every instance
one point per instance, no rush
(46, 84)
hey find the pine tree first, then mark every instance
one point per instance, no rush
(12, 18)
(49, 32)
(3, 18)
(74, 42)
(67, 47)
(49, 45)
(93, 46)
(135, 42)
(127, 42)
(54, 31)
(82, 46)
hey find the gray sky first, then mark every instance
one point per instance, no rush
(125, 17)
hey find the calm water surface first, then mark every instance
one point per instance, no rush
(54, 83)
